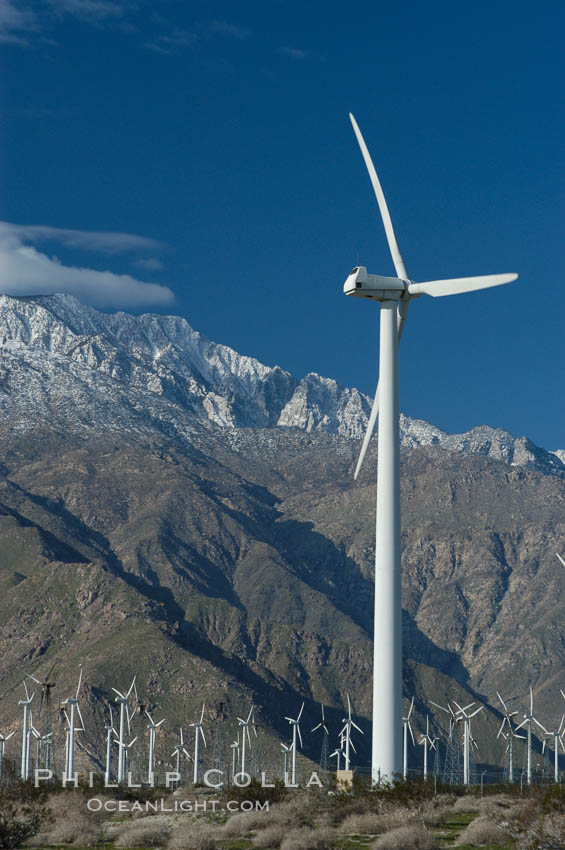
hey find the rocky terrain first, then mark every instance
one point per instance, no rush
(173, 509)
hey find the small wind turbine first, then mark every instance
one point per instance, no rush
(287, 750)
(346, 734)
(295, 724)
(73, 702)
(467, 737)
(152, 732)
(428, 743)
(406, 727)
(198, 731)
(46, 687)
(3, 739)
(245, 737)
(122, 700)
(557, 740)
(507, 723)
(394, 295)
(234, 756)
(180, 750)
(527, 721)
(109, 729)
(25, 733)
(325, 738)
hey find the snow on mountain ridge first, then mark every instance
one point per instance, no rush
(68, 364)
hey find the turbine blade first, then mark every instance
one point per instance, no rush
(355, 726)
(300, 736)
(560, 558)
(385, 215)
(79, 683)
(447, 711)
(203, 735)
(501, 728)
(202, 715)
(319, 726)
(349, 706)
(368, 434)
(502, 701)
(411, 734)
(458, 285)
(540, 726)
(411, 709)
(300, 713)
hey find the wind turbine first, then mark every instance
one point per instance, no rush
(152, 732)
(346, 734)
(507, 722)
(70, 755)
(46, 687)
(25, 733)
(180, 750)
(427, 742)
(295, 724)
(244, 724)
(3, 739)
(463, 713)
(109, 729)
(198, 731)
(234, 756)
(325, 737)
(527, 721)
(394, 295)
(557, 740)
(122, 700)
(406, 727)
(287, 750)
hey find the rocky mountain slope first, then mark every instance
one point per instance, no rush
(171, 508)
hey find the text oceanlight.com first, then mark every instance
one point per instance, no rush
(95, 804)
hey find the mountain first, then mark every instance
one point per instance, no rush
(173, 509)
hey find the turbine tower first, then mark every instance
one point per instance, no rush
(3, 739)
(394, 295)
(122, 700)
(345, 734)
(286, 750)
(406, 727)
(557, 740)
(25, 733)
(245, 737)
(178, 751)
(109, 728)
(234, 756)
(325, 737)
(295, 732)
(463, 713)
(152, 733)
(70, 754)
(507, 722)
(198, 732)
(527, 721)
(428, 743)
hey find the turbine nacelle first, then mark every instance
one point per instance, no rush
(360, 284)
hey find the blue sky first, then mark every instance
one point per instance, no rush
(205, 148)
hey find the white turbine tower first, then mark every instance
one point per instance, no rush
(394, 295)
(152, 733)
(3, 739)
(325, 738)
(295, 724)
(122, 700)
(463, 713)
(406, 727)
(234, 756)
(70, 749)
(25, 733)
(245, 738)
(286, 750)
(428, 743)
(557, 740)
(527, 721)
(198, 731)
(109, 729)
(345, 734)
(507, 723)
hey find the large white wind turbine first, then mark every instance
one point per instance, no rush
(295, 723)
(3, 739)
(427, 742)
(406, 727)
(245, 737)
(345, 734)
(507, 723)
(463, 713)
(198, 731)
(72, 729)
(557, 740)
(109, 729)
(180, 750)
(394, 295)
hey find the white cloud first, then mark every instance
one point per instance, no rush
(93, 11)
(90, 240)
(151, 264)
(293, 52)
(224, 28)
(26, 271)
(15, 23)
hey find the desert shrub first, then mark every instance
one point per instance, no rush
(272, 836)
(368, 823)
(497, 804)
(242, 823)
(433, 812)
(20, 823)
(482, 831)
(405, 838)
(466, 805)
(309, 839)
(197, 835)
(148, 832)
(70, 823)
